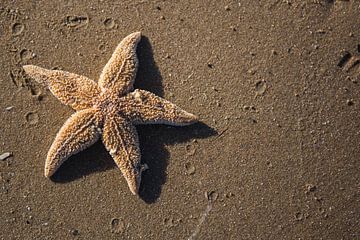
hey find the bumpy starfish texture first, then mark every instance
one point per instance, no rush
(107, 110)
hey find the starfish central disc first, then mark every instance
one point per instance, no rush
(109, 105)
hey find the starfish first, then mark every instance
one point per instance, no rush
(109, 110)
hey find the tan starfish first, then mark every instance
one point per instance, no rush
(109, 109)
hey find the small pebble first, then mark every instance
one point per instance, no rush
(5, 156)
(251, 71)
(229, 195)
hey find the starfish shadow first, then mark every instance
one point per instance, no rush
(153, 138)
(93, 159)
(148, 76)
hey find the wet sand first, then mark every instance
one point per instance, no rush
(276, 85)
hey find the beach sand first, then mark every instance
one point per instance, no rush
(276, 86)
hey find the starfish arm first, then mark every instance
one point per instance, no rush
(71, 89)
(79, 132)
(121, 140)
(147, 108)
(119, 73)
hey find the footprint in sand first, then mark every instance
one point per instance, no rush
(117, 226)
(32, 118)
(109, 23)
(26, 54)
(260, 87)
(350, 63)
(76, 21)
(17, 29)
